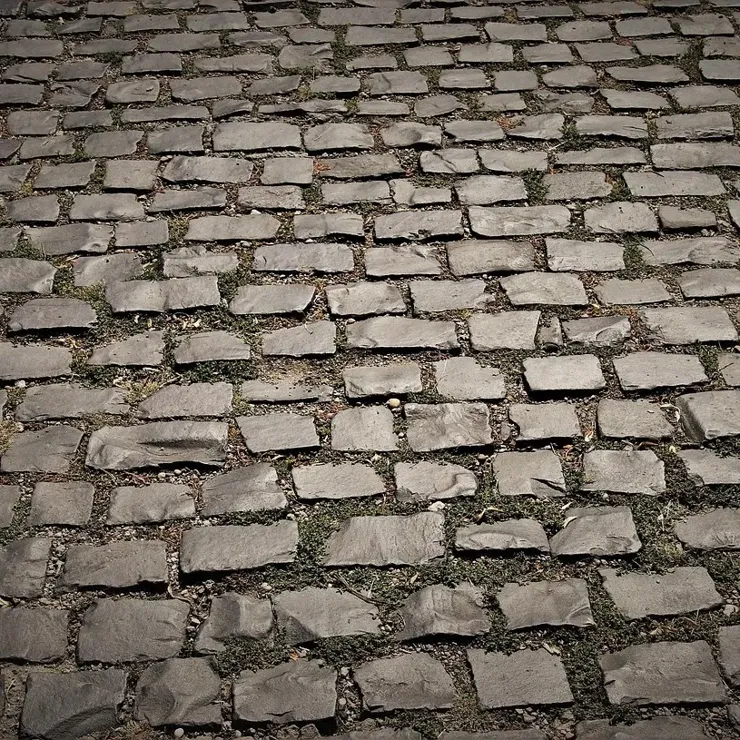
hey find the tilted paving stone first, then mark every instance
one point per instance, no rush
(683, 591)
(729, 654)
(710, 415)
(440, 610)
(650, 370)
(233, 615)
(399, 378)
(639, 419)
(130, 629)
(545, 421)
(280, 431)
(315, 613)
(156, 444)
(659, 728)
(252, 488)
(675, 326)
(713, 530)
(511, 534)
(447, 425)
(561, 374)
(556, 603)
(179, 691)
(707, 468)
(663, 673)
(598, 531)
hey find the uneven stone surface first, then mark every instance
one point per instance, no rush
(285, 288)
(663, 673)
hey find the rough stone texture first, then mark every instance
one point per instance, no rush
(179, 691)
(524, 678)
(423, 258)
(69, 705)
(118, 630)
(233, 547)
(556, 603)
(156, 444)
(315, 613)
(412, 681)
(36, 635)
(297, 691)
(387, 540)
(682, 591)
(663, 673)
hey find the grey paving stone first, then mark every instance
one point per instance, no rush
(621, 218)
(440, 610)
(409, 259)
(316, 338)
(663, 673)
(475, 257)
(296, 691)
(651, 370)
(630, 292)
(162, 295)
(35, 635)
(367, 428)
(336, 481)
(157, 502)
(70, 401)
(623, 471)
(676, 326)
(42, 314)
(115, 565)
(49, 450)
(518, 221)
(545, 421)
(303, 258)
(707, 468)
(140, 234)
(209, 346)
(389, 332)
(623, 419)
(598, 156)
(690, 155)
(462, 378)
(9, 497)
(284, 390)
(669, 183)
(511, 534)
(533, 288)
(710, 283)
(19, 275)
(68, 705)
(659, 728)
(447, 425)
(251, 488)
(23, 567)
(140, 349)
(561, 374)
(129, 629)
(598, 531)
(682, 219)
(682, 591)
(564, 255)
(62, 503)
(156, 444)
(182, 691)
(503, 330)
(318, 226)
(557, 603)
(280, 431)
(29, 361)
(196, 399)
(622, 127)
(411, 681)
(317, 613)
(710, 415)
(233, 615)
(364, 298)
(729, 654)
(428, 481)
(232, 547)
(387, 540)
(272, 299)
(399, 378)
(525, 678)
(537, 474)
(413, 225)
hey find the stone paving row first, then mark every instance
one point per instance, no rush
(369, 369)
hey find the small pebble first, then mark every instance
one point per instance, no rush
(179, 732)
(393, 403)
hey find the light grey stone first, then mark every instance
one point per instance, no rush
(557, 603)
(598, 531)
(538, 473)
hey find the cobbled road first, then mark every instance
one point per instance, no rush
(369, 369)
